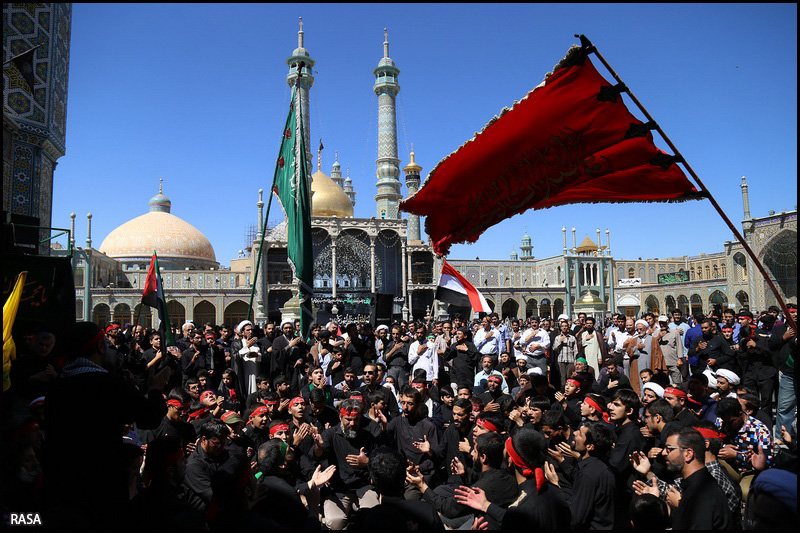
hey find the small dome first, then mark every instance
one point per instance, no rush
(587, 245)
(160, 203)
(328, 199)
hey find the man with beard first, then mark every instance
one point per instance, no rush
(497, 485)
(204, 462)
(247, 358)
(677, 399)
(413, 427)
(535, 342)
(703, 504)
(355, 349)
(494, 395)
(565, 349)
(453, 439)
(594, 491)
(612, 381)
(591, 345)
(640, 349)
(288, 353)
(670, 343)
(463, 357)
(346, 446)
(371, 384)
(710, 350)
(539, 506)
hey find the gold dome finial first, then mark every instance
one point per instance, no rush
(161, 186)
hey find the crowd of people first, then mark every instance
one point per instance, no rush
(666, 422)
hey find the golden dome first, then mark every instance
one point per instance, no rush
(328, 199)
(587, 245)
(162, 232)
(412, 165)
(589, 298)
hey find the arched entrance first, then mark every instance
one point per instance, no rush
(545, 309)
(204, 312)
(122, 314)
(275, 300)
(718, 301)
(780, 257)
(743, 300)
(177, 314)
(558, 307)
(531, 308)
(697, 304)
(670, 304)
(236, 312)
(651, 305)
(143, 315)
(510, 309)
(101, 315)
(683, 304)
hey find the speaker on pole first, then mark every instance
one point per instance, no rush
(381, 309)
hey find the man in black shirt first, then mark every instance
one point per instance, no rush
(594, 489)
(205, 461)
(395, 353)
(711, 350)
(623, 412)
(174, 423)
(372, 384)
(346, 446)
(677, 399)
(463, 357)
(413, 427)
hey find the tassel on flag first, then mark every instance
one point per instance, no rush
(153, 296)
(454, 289)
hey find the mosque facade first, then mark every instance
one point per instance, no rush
(356, 259)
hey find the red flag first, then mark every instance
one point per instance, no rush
(153, 296)
(456, 290)
(570, 140)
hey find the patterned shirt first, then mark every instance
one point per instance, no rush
(752, 433)
(733, 493)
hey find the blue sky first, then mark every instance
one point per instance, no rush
(197, 95)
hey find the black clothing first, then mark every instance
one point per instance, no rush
(601, 386)
(256, 436)
(328, 415)
(501, 489)
(403, 432)
(783, 349)
(593, 496)
(447, 450)
(533, 511)
(162, 506)
(629, 439)
(86, 480)
(278, 500)
(398, 358)
(498, 397)
(572, 414)
(200, 469)
(182, 430)
(703, 504)
(462, 363)
(392, 409)
(395, 513)
(685, 418)
(336, 448)
(717, 348)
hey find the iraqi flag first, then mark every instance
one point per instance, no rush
(153, 296)
(454, 289)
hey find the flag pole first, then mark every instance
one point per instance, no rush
(591, 48)
(260, 252)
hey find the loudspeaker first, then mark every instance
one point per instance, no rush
(18, 235)
(381, 309)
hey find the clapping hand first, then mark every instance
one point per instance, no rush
(424, 446)
(472, 497)
(321, 477)
(464, 446)
(640, 487)
(457, 467)
(361, 460)
(479, 524)
(640, 462)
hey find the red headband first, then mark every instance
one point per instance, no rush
(351, 412)
(710, 433)
(177, 404)
(527, 470)
(574, 382)
(92, 343)
(495, 377)
(296, 399)
(206, 393)
(197, 414)
(268, 402)
(675, 392)
(485, 424)
(258, 411)
(279, 427)
(227, 415)
(596, 406)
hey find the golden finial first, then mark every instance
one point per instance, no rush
(301, 23)
(161, 186)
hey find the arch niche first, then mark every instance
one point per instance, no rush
(510, 309)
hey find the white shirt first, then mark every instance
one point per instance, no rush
(487, 346)
(617, 341)
(542, 338)
(427, 360)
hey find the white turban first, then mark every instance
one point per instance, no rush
(643, 322)
(563, 317)
(729, 376)
(242, 324)
(536, 371)
(655, 387)
(287, 321)
(712, 378)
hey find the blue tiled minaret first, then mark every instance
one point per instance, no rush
(386, 87)
(303, 83)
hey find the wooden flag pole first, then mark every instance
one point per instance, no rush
(590, 48)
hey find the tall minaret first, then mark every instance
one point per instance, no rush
(412, 171)
(336, 172)
(388, 171)
(747, 221)
(300, 55)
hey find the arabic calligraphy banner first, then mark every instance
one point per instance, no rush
(674, 277)
(49, 293)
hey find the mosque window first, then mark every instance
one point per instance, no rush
(716, 272)
(631, 273)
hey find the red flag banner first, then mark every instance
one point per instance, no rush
(570, 140)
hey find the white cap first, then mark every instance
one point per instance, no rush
(563, 317)
(663, 318)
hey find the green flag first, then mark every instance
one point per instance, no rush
(291, 188)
